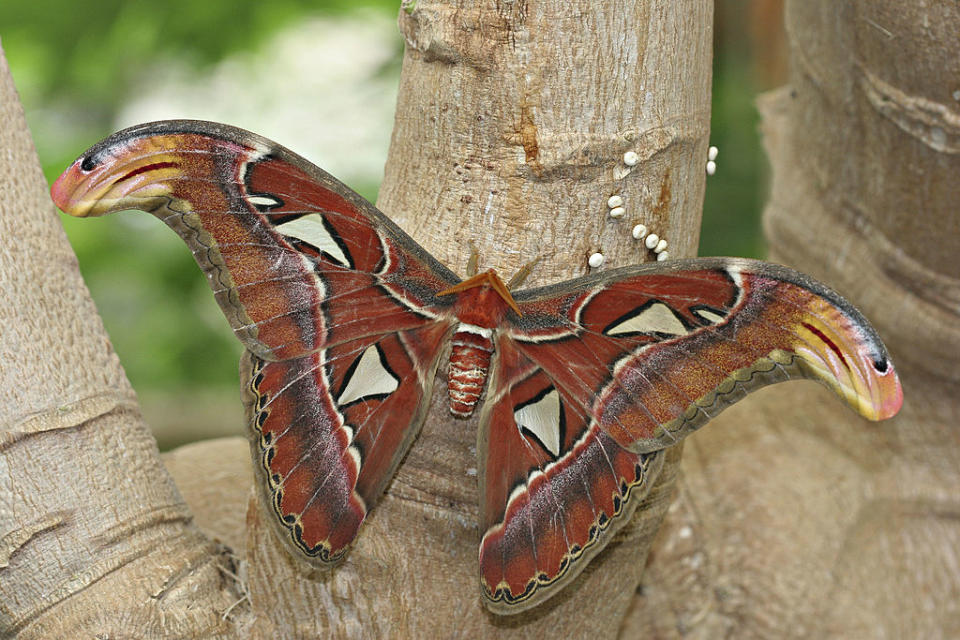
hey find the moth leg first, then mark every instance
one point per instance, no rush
(473, 259)
(522, 274)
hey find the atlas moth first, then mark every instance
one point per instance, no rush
(344, 317)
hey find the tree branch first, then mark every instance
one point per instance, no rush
(95, 537)
(510, 131)
(796, 518)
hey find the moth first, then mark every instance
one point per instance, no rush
(344, 318)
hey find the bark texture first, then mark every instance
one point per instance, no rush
(794, 517)
(94, 537)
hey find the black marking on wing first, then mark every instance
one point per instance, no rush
(352, 369)
(640, 310)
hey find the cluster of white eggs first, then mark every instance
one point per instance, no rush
(651, 241)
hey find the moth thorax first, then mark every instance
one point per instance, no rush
(470, 355)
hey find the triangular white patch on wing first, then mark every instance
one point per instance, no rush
(369, 378)
(263, 200)
(657, 318)
(709, 316)
(310, 229)
(542, 419)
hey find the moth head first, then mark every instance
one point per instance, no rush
(482, 291)
(844, 355)
(145, 167)
(120, 173)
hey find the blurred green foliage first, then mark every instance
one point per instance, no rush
(75, 63)
(734, 197)
(66, 48)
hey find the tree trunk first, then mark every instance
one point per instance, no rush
(512, 125)
(94, 537)
(512, 122)
(795, 518)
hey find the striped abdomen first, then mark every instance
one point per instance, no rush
(469, 362)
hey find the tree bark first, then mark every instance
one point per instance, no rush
(512, 125)
(94, 537)
(794, 517)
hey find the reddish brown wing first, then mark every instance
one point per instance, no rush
(332, 428)
(336, 305)
(553, 488)
(281, 241)
(601, 373)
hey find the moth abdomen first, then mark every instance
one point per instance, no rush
(472, 348)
